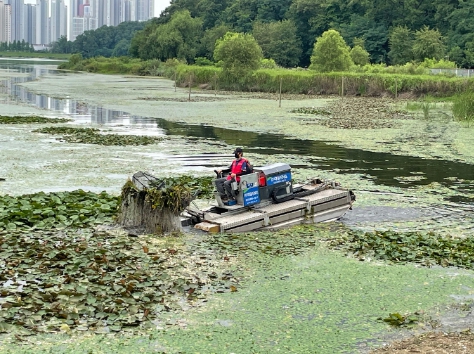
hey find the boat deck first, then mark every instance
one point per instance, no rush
(324, 205)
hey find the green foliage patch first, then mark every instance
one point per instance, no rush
(463, 107)
(311, 110)
(30, 119)
(93, 136)
(423, 248)
(62, 209)
(97, 281)
(398, 320)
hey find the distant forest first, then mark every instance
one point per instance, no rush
(390, 30)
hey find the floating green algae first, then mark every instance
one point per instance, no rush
(93, 136)
(30, 120)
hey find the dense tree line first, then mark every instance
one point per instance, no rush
(16, 46)
(105, 41)
(391, 31)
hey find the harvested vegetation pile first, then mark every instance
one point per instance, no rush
(156, 207)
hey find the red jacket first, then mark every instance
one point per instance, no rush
(239, 167)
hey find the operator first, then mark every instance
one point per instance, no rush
(240, 166)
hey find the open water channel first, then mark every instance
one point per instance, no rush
(382, 167)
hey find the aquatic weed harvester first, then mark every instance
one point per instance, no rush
(267, 198)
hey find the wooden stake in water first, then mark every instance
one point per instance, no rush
(175, 82)
(190, 83)
(215, 84)
(281, 81)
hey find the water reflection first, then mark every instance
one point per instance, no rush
(82, 113)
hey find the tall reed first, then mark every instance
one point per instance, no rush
(463, 108)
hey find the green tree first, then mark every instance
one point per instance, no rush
(374, 35)
(121, 48)
(62, 45)
(330, 53)
(401, 45)
(272, 10)
(359, 55)
(313, 17)
(241, 14)
(211, 11)
(103, 40)
(279, 41)
(208, 40)
(428, 44)
(240, 54)
(178, 38)
(358, 41)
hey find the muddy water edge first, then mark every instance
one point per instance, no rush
(415, 175)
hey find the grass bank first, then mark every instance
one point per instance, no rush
(293, 81)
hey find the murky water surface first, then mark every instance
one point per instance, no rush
(383, 168)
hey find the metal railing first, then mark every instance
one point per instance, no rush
(457, 72)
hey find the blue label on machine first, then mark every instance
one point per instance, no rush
(284, 177)
(251, 196)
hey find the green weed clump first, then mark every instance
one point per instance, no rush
(30, 119)
(175, 193)
(463, 108)
(50, 210)
(93, 136)
(424, 248)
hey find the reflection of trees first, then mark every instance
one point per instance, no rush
(383, 167)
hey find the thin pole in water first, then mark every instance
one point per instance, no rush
(215, 84)
(281, 81)
(190, 82)
(175, 81)
(342, 88)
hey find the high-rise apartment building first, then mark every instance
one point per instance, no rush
(42, 22)
(125, 11)
(112, 12)
(58, 20)
(145, 9)
(5, 28)
(29, 23)
(84, 21)
(17, 19)
(47, 20)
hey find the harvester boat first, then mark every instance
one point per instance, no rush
(268, 199)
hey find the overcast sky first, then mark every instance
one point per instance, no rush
(160, 5)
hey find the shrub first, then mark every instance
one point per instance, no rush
(202, 61)
(463, 108)
(268, 64)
